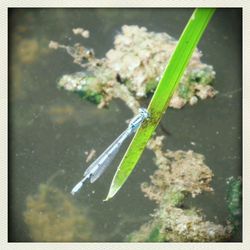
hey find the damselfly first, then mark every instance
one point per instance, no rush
(97, 168)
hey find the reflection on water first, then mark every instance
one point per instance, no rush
(51, 129)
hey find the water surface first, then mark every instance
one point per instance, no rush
(50, 129)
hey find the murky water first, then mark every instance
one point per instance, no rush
(50, 129)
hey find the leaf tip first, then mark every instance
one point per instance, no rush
(107, 198)
(112, 192)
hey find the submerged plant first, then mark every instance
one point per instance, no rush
(234, 202)
(52, 216)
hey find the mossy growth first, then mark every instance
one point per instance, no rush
(151, 86)
(86, 86)
(234, 202)
(202, 76)
(173, 198)
(150, 232)
(91, 96)
(184, 91)
(155, 235)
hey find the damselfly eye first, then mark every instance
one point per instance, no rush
(144, 113)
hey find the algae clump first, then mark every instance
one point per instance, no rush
(179, 173)
(136, 62)
(51, 216)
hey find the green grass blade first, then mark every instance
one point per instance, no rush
(165, 89)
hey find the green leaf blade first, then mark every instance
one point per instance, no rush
(165, 89)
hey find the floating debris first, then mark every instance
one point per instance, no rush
(172, 224)
(90, 155)
(183, 171)
(179, 173)
(80, 31)
(51, 216)
(137, 61)
(54, 45)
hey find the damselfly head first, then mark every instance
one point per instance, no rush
(144, 113)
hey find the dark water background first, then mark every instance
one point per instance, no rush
(41, 143)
